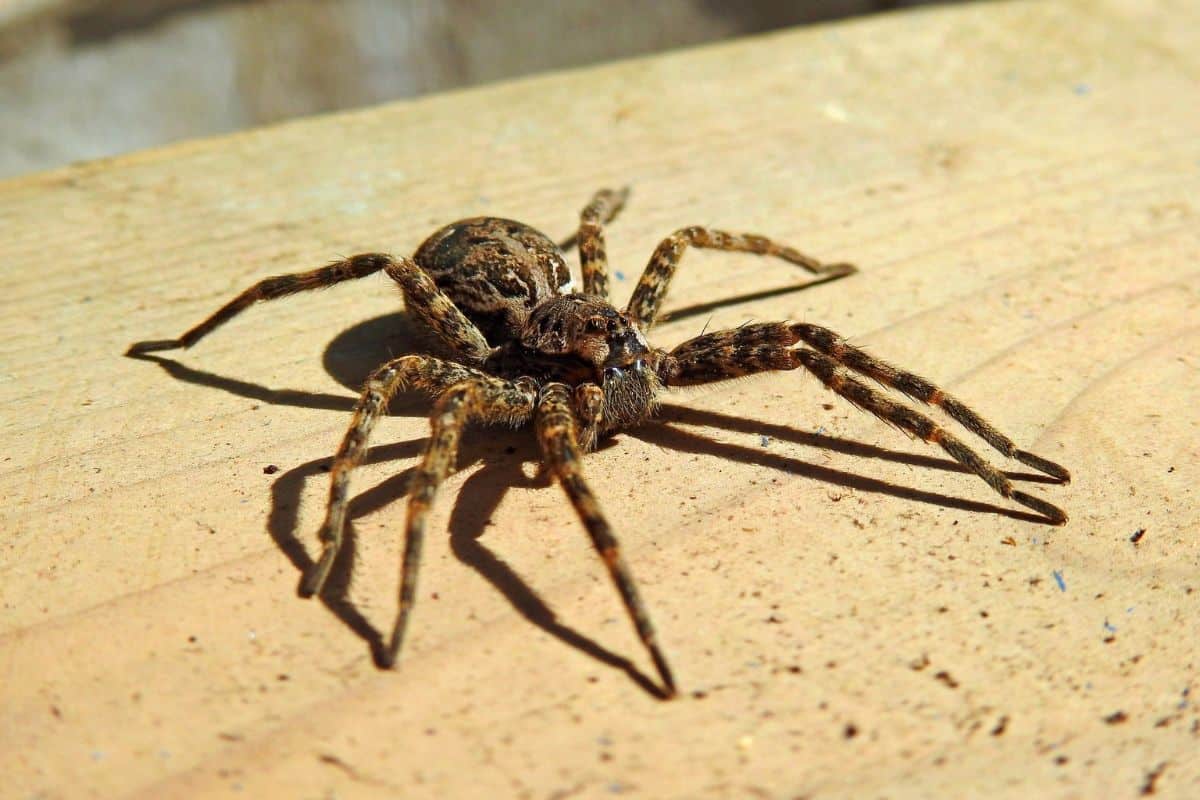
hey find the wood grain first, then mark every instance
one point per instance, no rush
(848, 614)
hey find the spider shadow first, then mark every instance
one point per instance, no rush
(696, 309)
(468, 521)
(352, 355)
(349, 358)
(664, 434)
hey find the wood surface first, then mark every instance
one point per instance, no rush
(848, 614)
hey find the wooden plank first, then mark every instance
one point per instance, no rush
(848, 614)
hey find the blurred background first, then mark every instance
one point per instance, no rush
(82, 79)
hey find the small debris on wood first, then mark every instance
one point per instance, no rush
(1116, 718)
(270, 469)
(1137, 535)
(1152, 778)
(946, 678)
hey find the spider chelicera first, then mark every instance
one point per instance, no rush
(527, 347)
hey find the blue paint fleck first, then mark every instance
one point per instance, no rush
(1082, 88)
(1062, 585)
(620, 275)
(764, 440)
(1108, 626)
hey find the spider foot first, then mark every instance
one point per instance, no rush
(154, 345)
(839, 270)
(664, 674)
(387, 657)
(1051, 512)
(312, 583)
(1055, 471)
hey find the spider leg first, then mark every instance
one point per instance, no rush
(422, 298)
(269, 289)
(483, 397)
(589, 403)
(428, 303)
(916, 387)
(612, 209)
(415, 371)
(556, 430)
(592, 257)
(758, 348)
(652, 287)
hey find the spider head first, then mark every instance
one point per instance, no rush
(587, 329)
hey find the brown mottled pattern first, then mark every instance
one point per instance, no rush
(918, 388)
(418, 372)
(648, 295)
(593, 258)
(556, 430)
(485, 398)
(494, 291)
(769, 346)
(589, 404)
(495, 270)
(425, 301)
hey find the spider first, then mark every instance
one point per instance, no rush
(526, 347)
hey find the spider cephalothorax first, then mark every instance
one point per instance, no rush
(583, 342)
(526, 347)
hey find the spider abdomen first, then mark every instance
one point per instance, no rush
(495, 270)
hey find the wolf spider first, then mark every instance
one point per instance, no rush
(527, 347)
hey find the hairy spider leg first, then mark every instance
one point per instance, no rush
(422, 298)
(485, 398)
(589, 404)
(556, 431)
(612, 209)
(432, 375)
(759, 348)
(593, 259)
(652, 287)
(918, 388)
(269, 289)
